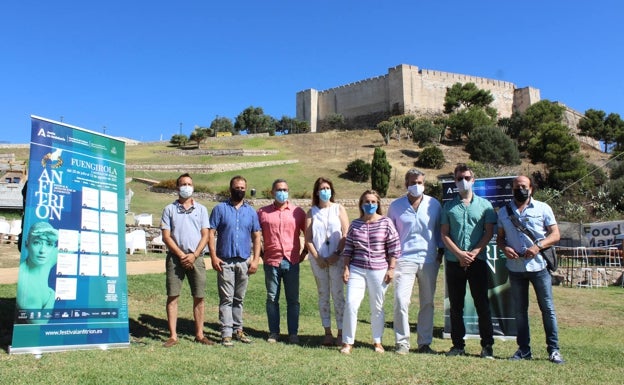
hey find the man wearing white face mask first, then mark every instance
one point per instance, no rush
(416, 217)
(184, 226)
(467, 225)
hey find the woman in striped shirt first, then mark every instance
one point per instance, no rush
(371, 248)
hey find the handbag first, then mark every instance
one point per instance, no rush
(549, 254)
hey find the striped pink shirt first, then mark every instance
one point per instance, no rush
(371, 245)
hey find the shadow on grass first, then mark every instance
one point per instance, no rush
(410, 153)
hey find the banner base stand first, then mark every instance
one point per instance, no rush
(39, 350)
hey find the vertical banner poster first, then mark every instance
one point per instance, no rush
(72, 287)
(498, 191)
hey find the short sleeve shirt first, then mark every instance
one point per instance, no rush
(185, 224)
(234, 229)
(536, 217)
(467, 223)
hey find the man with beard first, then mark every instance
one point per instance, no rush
(236, 224)
(526, 264)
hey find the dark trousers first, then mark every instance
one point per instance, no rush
(477, 277)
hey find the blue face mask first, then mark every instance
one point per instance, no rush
(369, 208)
(281, 196)
(325, 195)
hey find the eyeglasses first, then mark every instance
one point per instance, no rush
(466, 178)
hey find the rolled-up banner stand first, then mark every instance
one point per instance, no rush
(72, 291)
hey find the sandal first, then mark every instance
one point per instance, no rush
(378, 348)
(346, 349)
(328, 340)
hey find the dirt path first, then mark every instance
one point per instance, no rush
(9, 275)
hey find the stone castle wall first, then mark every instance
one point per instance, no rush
(405, 89)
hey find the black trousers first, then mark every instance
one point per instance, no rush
(477, 277)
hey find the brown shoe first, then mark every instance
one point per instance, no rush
(170, 342)
(328, 340)
(339, 339)
(204, 341)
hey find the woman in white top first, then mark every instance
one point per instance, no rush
(326, 227)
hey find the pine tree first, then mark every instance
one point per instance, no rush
(380, 172)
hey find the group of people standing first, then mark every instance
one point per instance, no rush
(366, 255)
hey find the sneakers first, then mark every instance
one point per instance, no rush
(519, 355)
(273, 338)
(426, 349)
(241, 336)
(556, 358)
(293, 339)
(487, 352)
(455, 351)
(227, 342)
(402, 350)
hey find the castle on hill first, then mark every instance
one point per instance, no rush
(405, 89)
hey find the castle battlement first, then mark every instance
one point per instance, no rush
(404, 89)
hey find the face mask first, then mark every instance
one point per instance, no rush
(463, 185)
(237, 195)
(325, 195)
(186, 191)
(416, 190)
(281, 196)
(521, 194)
(369, 208)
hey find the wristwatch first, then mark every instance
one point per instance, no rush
(539, 244)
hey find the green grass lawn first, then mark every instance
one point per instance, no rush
(591, 335)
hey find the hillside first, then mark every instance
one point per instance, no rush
(319, 154)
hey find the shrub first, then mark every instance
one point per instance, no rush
(359, 170)
(424, 132)
(380, 172)
(491, 145)
(431, 157)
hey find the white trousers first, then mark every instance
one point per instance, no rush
(404, 276)
(329, 283)
(359, 281)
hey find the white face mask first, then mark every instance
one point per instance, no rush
(463, 185)
(416, 190)
(186, 191)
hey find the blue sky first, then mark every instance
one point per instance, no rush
(140, 68)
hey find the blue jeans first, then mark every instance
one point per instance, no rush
(542, 284)
(272, 278)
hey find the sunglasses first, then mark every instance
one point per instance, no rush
(182, 210)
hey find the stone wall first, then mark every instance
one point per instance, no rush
(404, 89)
